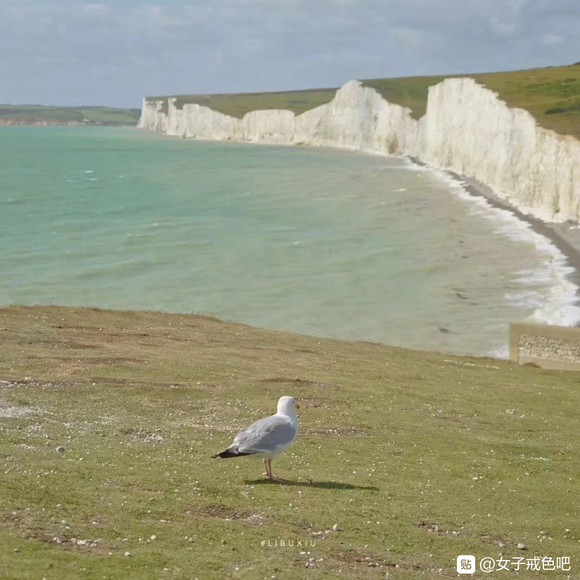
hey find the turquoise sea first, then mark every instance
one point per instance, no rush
(316, 241)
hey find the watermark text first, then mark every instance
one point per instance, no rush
(467, 564)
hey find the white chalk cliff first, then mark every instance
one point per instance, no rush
(466, 129)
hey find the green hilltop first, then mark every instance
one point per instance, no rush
(550, 94)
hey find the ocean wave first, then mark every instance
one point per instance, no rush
(13, 201)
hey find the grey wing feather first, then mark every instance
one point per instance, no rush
(265, 435)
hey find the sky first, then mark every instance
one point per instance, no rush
(115, 52)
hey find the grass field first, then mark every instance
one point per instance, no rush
(551, 95)
(36, 114)
(403, 461)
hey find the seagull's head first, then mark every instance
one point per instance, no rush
(287, 406)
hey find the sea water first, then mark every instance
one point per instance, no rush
(322, 242)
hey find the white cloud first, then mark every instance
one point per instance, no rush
(551, 39)
(501, 27)
(94, 7)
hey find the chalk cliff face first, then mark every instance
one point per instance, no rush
(466, 129)
(152, 116)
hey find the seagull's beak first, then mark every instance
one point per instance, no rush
(297, 406)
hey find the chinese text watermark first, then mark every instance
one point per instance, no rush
(467, 564)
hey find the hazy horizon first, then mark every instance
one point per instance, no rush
(138, 107)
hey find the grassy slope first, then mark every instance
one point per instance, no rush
(30, 114)
(551, 95)
(418, 457)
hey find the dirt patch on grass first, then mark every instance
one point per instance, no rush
(93, 545)
(374, 561)
(500, 541)
(141, 435)
(337, 431)
(10, 412)
(313, 403)
(29, 382)
(297, 382)
(117, 382)
(438, 529)
(54, 534)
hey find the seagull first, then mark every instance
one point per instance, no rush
(267, 437)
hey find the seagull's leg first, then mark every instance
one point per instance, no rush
(268, 463)
(272, 475)
(267, 472)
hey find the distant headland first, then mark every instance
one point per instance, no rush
(39, 115)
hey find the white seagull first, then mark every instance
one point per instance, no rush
(267, 437)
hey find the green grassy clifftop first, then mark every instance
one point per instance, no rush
(551, 95)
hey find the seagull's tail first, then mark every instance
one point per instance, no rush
(229, 452)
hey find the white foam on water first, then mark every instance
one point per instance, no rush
(561, 306)
(532, 277)
(502, 351)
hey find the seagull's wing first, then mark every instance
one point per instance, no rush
(265, 435)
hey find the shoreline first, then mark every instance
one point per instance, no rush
(564, 236)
